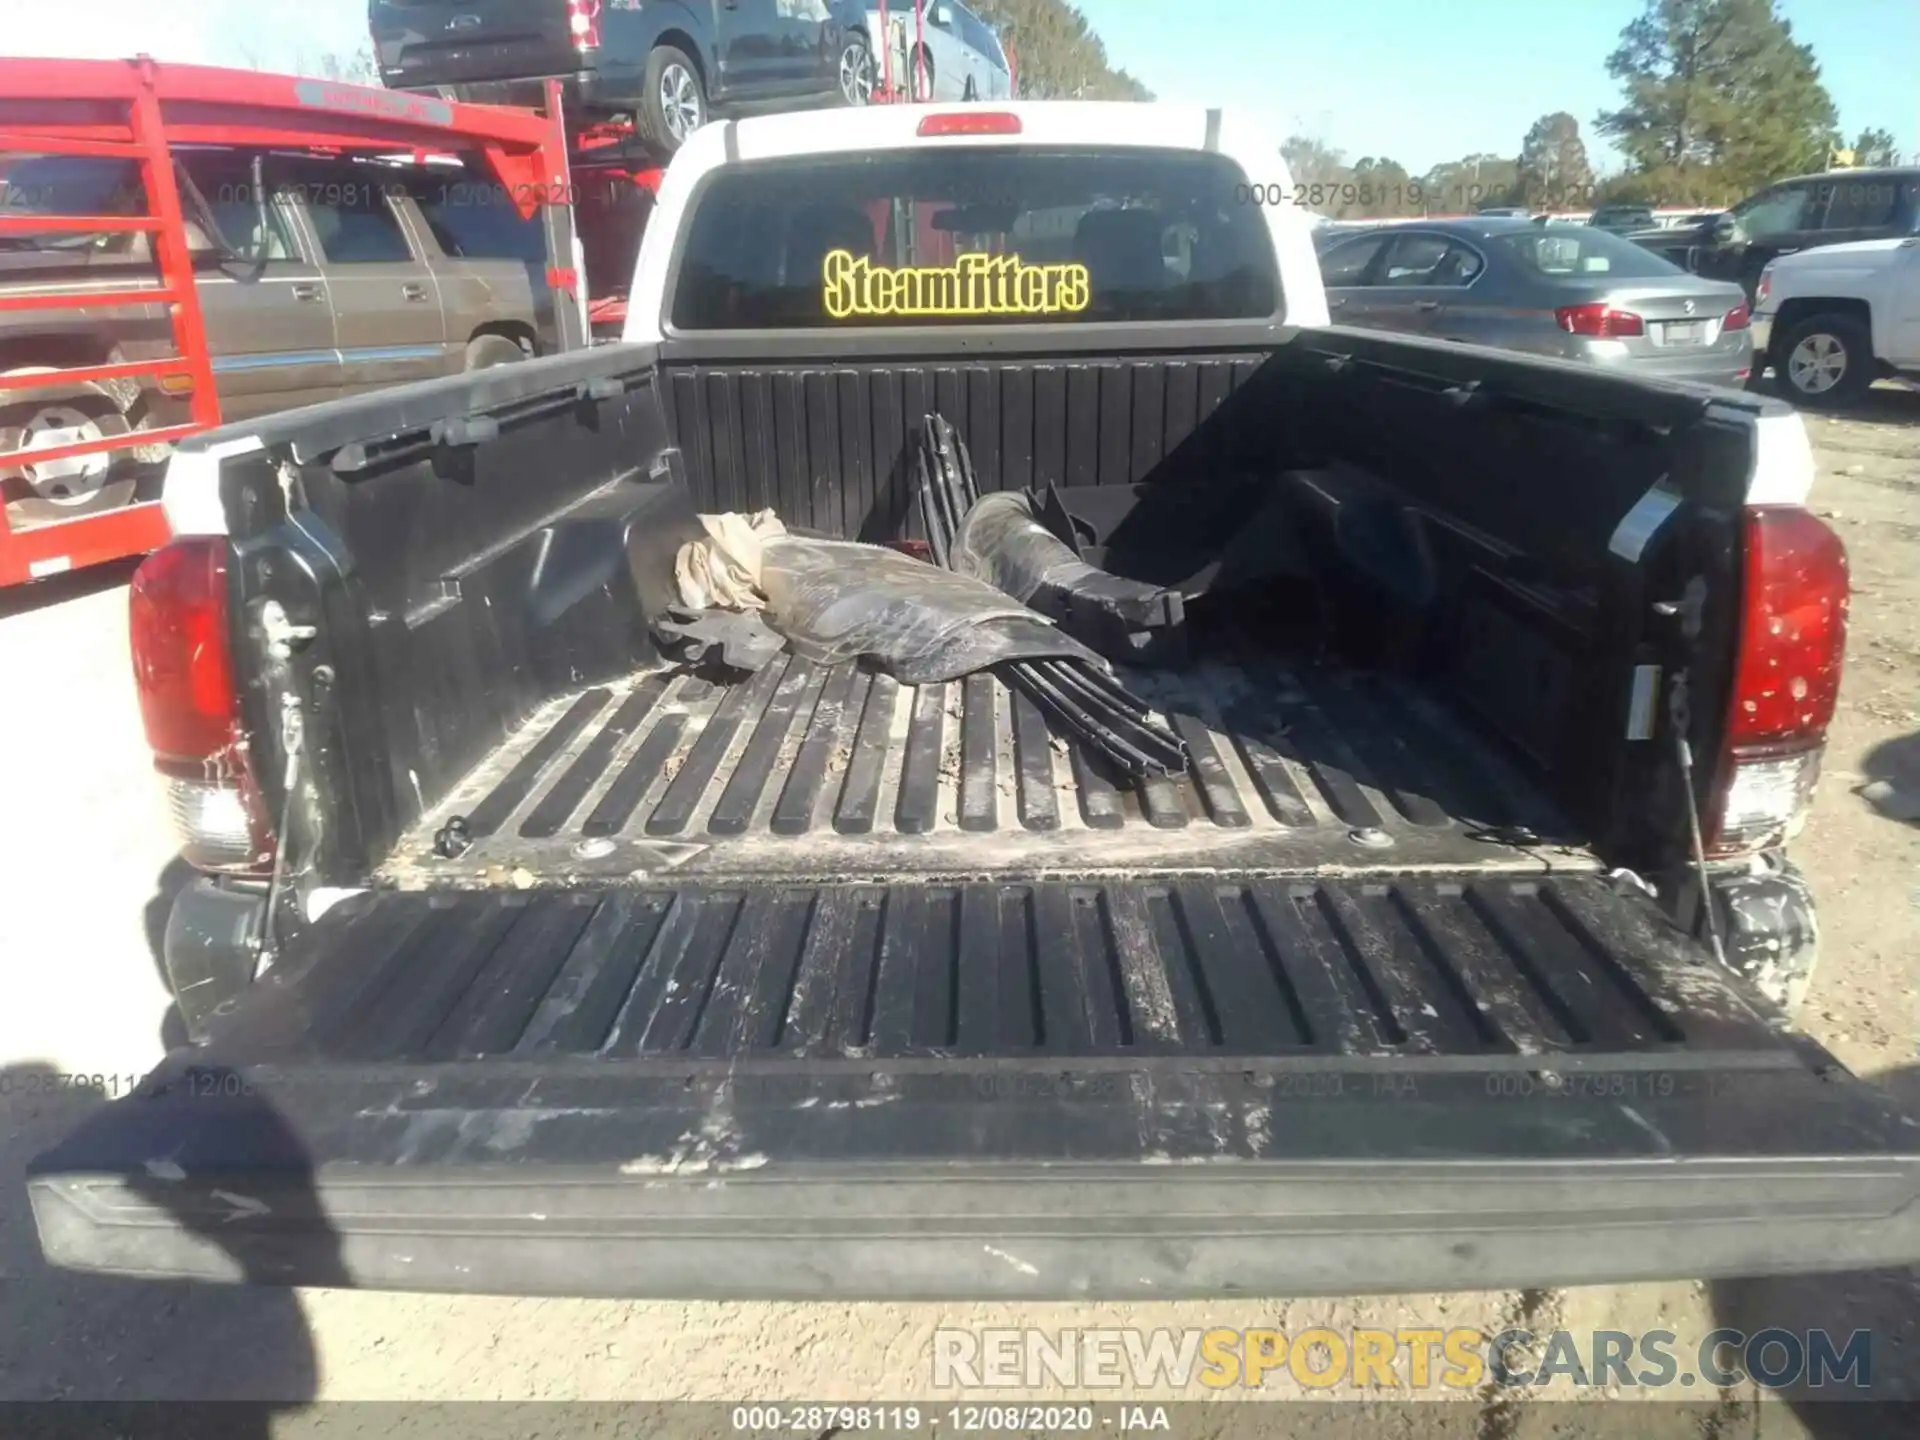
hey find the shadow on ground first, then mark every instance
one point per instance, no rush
(92, 1337)
(59, 589)
(1886, 1303)
(174, 878)
(1892, 779)
(1887, 403)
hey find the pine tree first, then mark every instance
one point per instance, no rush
(1721, 84)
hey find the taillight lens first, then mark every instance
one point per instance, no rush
(583, 23)
(971, 122)
(1793, 639)
(1738, 318)
(183, 676)
(1599, 322)
(182, 661)
(1764, 289)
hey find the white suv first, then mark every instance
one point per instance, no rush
(956, 56)
(1833, 320)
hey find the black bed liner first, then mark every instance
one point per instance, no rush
(808, 772)
(1214, 967)
(1196, 1087)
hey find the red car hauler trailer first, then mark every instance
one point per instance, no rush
(137, 111)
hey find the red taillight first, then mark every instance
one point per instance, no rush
(1599, 322)
(1794, 628)
(971, 122)
(182, 662)
(183, 676)
(1738, 318)
(1793, 636)
(583, 23)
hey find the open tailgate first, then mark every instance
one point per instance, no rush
(1100, 1088)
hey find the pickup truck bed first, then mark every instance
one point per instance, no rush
(815, 986)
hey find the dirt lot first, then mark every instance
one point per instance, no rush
(84, 845)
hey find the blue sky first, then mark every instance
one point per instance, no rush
(1422, 81)
(1425, 81)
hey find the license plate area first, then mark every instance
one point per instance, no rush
(1681, 332)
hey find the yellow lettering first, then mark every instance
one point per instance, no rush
(975, 284)
(1266, 1350)
(977, 297)
(1467, 1366)
(1300, 1362)
(1219, 1348)
(1373, 1358)
(1420, 1345)
(837, 273)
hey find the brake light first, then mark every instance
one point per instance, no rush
(1599, 322)
(183, 675)
(971, 122)
(1738, 318)
(1793, 637)
(583, 22)
(1764, 289)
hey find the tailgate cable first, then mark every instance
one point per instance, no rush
(292, 731)
(1681, 714)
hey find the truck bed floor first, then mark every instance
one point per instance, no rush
(808, 773)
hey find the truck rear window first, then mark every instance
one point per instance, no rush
(976, 236)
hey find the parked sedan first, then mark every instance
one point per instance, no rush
(1549, 289)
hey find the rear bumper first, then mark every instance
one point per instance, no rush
(1716, 366)
(1159, 1185)
(587, 89)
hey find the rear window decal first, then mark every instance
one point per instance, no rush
(975, 284)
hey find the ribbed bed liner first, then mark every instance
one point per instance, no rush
(806, 772)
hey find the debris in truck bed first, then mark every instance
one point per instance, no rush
(1000, 539)
(723, 570)
(1002, 542)
(1080, 693)
(834, 600)
(738, 640)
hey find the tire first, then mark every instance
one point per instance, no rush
(1804, 361)
(857, 76)
(77, 488)
(673, 87)
(484, 352)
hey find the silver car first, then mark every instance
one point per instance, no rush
(1571, 291)
(955, 56)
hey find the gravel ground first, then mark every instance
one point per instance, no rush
(84, 846)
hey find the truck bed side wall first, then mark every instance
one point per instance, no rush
(455, 587)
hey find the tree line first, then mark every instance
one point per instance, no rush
(1717, 100)
(1058, 54)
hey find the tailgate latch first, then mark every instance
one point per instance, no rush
(280, 633)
